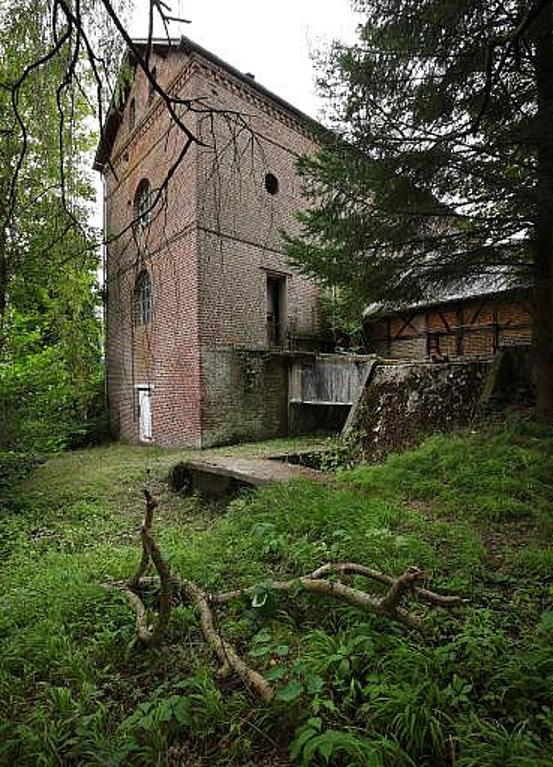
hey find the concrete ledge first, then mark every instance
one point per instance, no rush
(228, 475)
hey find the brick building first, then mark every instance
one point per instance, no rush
(202, 305)
(474, 324)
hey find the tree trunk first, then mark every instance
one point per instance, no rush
(3, 285)
(542, 327)
(542, 34)
(3, 281)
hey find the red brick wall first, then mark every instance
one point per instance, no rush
(208, 251)
(242, 222)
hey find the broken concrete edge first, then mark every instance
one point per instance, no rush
(348, 426)
(404, 401)
(488, 390)
(222, 471)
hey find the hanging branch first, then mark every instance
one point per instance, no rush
(73, 40)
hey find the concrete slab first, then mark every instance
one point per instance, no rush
(229, 473)
(255, 471)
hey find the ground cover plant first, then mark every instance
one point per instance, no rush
(352, 688)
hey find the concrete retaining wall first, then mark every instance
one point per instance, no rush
(402, 402)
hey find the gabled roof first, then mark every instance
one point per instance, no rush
(188, 46)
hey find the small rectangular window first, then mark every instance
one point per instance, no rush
(276, 307)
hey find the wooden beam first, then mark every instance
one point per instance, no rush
(460, 331)
(406, 323)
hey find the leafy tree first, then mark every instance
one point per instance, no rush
(439, 172)
(49, 323)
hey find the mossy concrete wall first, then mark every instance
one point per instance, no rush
(244, 395)
(402, 402)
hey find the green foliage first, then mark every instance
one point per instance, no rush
(314, 747)
(50, 361)
(534, 560)
(45, 408)
(498, 477)
(439, 129)
(340, 452)
(352, 688)
(14, 467)
(341, 319)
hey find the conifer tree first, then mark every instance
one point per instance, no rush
(439, 171)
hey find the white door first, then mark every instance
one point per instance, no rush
(145, 414)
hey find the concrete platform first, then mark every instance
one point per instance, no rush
(229, 474)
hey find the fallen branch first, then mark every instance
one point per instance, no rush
(391, 599)
(332, 589)
(223, 649)
(150, 553)
(347, 568)
(388, 605)
(151, 505)
(142, 630)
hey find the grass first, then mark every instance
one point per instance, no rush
(474, 509)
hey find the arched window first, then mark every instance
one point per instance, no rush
(142, 202)
(142, 299)
(132, 115)
(271, 183)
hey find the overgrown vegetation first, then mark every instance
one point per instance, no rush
(353, 688)
(50, 362)
(436, 178)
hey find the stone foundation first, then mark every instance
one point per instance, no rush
(244, 395)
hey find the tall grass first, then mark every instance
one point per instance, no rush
(474, 510)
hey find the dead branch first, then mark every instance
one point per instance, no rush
(143, 632)
(223, 649)
(151, 505)
(150, 553)
(389, 605)
(150, 547)
(392, 598)
(347, 568)
(335, 590)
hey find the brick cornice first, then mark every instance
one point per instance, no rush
(217, 75)
(152, 114)
(241, 88)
